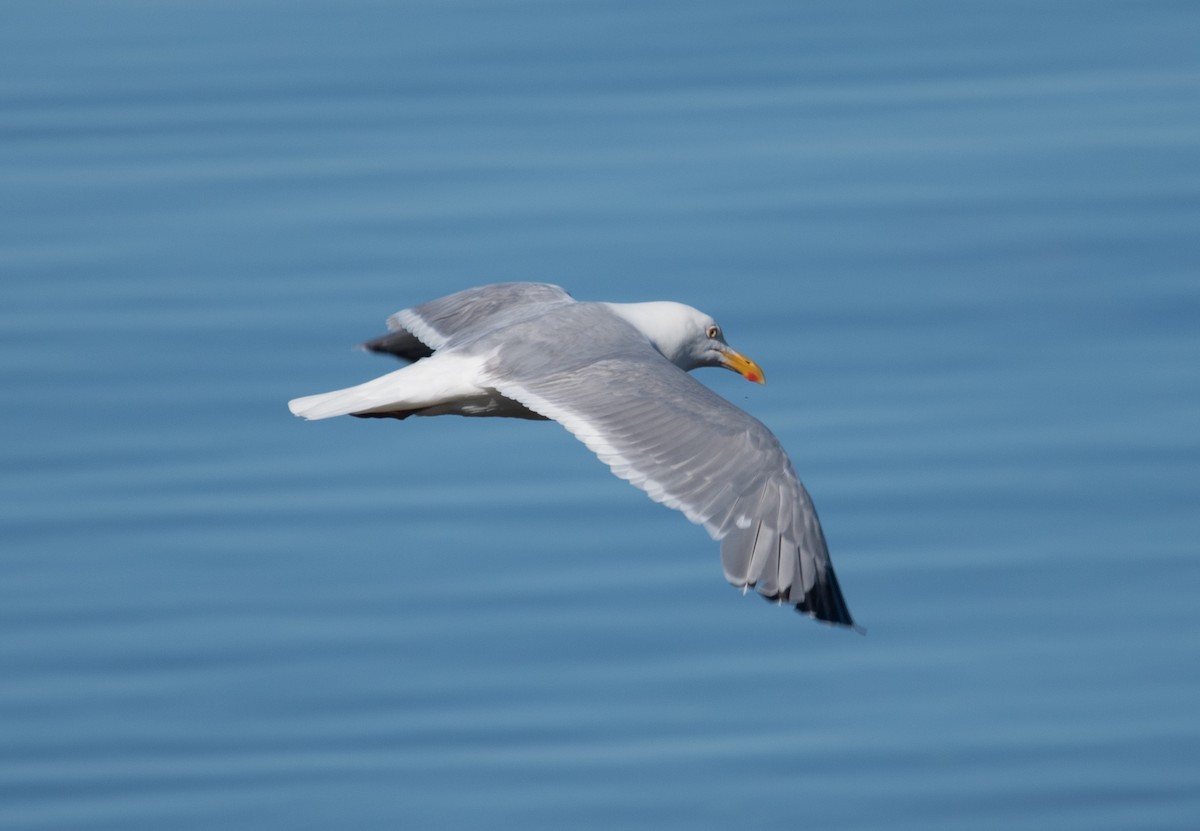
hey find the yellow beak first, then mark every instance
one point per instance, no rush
(739, 363)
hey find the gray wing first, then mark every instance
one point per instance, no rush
(468, 315)
(463, 317)
(683, 444)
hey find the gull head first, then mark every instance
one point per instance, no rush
(687, 337)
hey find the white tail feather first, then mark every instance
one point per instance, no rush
(329, 404)
(427, 383)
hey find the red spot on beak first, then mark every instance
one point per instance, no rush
(743, 366)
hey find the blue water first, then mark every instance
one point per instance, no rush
(962, 238)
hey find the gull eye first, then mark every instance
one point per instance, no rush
(713, 331)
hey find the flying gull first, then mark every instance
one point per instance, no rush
(616, 376)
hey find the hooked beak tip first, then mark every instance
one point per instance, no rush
(739, 363)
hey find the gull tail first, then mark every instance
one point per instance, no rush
(430, 385)
(387, 393)
(335, 403)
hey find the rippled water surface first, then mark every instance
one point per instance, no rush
(961, 238)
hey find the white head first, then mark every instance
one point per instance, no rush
(686, 337)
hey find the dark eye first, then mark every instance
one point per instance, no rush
(714, 331)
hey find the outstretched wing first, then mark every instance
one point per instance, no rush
(416, 333)
(683, 444)
(472, 314)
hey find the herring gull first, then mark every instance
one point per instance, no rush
(616, 376)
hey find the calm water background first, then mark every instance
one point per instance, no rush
(963, 239)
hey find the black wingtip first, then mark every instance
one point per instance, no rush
(402, 344)
(824, 602)
(845, 623)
